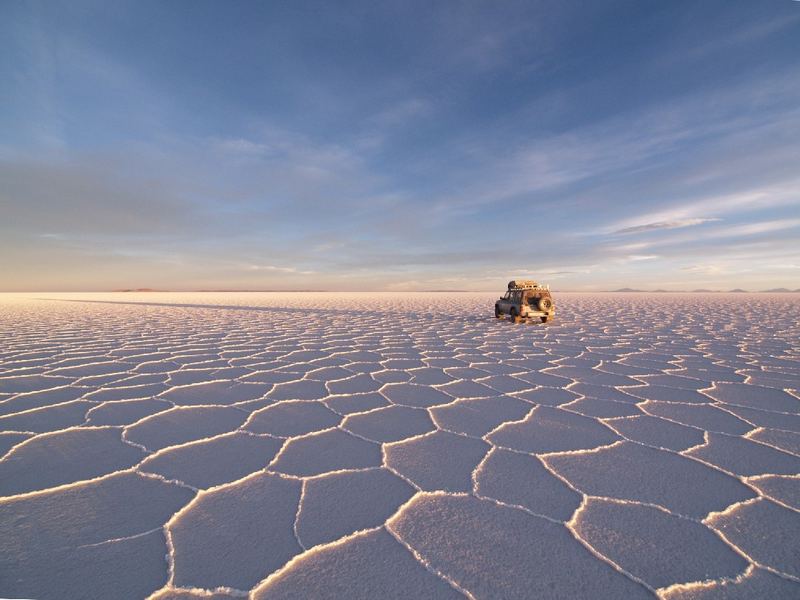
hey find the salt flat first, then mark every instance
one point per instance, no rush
(324, 445)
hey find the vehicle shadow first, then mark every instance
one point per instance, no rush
(271, 309)
(321, 311)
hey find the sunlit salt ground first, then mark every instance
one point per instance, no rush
(399, 446)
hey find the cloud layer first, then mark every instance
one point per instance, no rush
(398, 146)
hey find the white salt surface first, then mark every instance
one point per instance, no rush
(326, 445)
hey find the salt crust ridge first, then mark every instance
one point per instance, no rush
(706, 389)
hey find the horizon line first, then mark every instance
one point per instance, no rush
(435, 290)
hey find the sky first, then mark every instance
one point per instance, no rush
(398, 146)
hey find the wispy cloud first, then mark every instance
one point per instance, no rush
(751, 200)
(741, 232)
(703, 269)
(757, 228)
(676, 224)
(641, 257)
(275, 269)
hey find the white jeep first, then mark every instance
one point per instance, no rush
(526, 299)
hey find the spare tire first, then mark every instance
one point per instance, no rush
(545, 303)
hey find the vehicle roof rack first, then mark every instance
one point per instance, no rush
(522, 284)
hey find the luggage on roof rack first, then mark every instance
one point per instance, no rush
(522, 284)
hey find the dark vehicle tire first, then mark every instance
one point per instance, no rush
(545, 319)
(513, 315)
(497, 313)
(545, 303)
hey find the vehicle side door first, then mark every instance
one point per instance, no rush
(505, 302)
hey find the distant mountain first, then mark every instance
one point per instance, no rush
(707, 291)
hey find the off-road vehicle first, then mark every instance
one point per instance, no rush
(526, 299)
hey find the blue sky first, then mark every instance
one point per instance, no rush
(409, 145)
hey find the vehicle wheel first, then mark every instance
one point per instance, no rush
(513, 315)
(497, 312)
(545, 303)
(545, 319)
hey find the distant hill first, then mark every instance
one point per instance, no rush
(139, 290)
(708, 291)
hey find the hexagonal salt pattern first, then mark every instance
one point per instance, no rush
(398, 445)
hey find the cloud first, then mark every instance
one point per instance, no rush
(690, 242)
(749, 200)
(240, 146)
(400, 113)
(463, 147)
(679, 154)
(677, 224)
(757, 228)
(703, 269)
(78, 198)
(641, 257)
(632, 247)
(273, 268)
